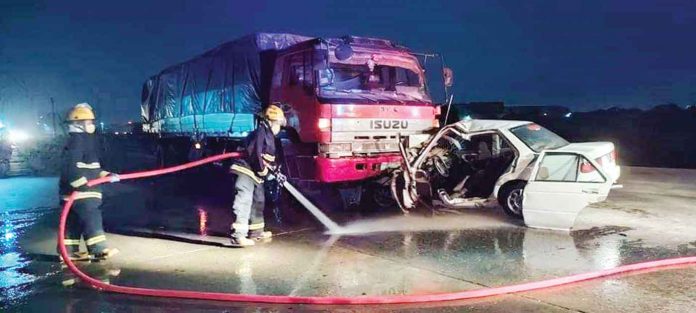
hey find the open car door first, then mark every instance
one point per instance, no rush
(562, 184)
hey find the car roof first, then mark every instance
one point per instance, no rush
(475, 125)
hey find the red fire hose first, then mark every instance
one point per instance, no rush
(462, 295)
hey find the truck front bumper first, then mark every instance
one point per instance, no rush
(332, 170)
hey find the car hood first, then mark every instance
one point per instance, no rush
(591, 149)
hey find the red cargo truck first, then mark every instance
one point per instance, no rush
(348, 101)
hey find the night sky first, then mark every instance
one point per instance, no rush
(585, 55)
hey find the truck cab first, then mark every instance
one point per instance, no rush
(349, 101)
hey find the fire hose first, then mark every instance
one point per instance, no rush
(328, 300)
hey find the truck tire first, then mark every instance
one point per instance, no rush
(510, 198)
(378, 197)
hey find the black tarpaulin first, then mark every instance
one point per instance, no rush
(227, 79)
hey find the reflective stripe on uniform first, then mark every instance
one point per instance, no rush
(264, 172)
(78, 182)
(257, 226)
(91, 166)
(238, 226)
(246, 171)
(71, 242)
(85, 195)
(268, 157)
(95, 240)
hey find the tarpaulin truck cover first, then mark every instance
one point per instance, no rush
(216, 93)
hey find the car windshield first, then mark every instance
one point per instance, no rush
(538, 138)
(382, 81)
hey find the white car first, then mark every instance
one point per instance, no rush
(532, 172)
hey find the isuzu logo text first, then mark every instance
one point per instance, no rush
(388, 124)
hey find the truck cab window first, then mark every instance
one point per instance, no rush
(295, 69)
(299, 69)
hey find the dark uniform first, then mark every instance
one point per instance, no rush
(251, 174)
(81, 164)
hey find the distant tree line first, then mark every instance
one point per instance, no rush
(664, 136)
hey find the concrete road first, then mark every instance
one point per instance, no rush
(166, 230)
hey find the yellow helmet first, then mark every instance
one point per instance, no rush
(81, 112)
(274, 113)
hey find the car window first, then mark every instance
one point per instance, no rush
(538, 138)
(558, 168)
(568, 168)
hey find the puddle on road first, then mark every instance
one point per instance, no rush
(16, 278)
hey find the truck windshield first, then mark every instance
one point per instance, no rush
(382, 81)
(538, 138)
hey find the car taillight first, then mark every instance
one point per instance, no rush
(586, 167)
(324, 124)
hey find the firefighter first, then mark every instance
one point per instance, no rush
(81, 164)
(252, 171)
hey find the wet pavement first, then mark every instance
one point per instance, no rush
(167, 231)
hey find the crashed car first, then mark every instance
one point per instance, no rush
(533, 173)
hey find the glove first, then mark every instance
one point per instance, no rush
(280, 178)
(114, 178)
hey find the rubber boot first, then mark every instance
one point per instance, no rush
(77, 257)
(106, 254)
(241, 242)
(260, 235)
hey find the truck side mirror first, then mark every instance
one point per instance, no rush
(343, 52)
(448, 76)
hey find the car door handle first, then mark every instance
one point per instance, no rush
(591, 191)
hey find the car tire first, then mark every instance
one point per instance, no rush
(510, 198)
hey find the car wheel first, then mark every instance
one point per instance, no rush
(511, 198)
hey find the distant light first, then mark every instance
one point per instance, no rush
(17, 136)
(197, 145)
(467, 118)
(129, 122)
(115, 133)
(9, 236)
(569, 114)
(545, 114)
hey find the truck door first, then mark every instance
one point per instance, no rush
(297, 90)
(557, 190)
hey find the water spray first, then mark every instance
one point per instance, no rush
(330, 225)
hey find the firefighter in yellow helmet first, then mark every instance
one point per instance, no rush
(81, 164)
(252, 171)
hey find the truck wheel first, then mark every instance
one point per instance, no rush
(378, 197)
(510, 198)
